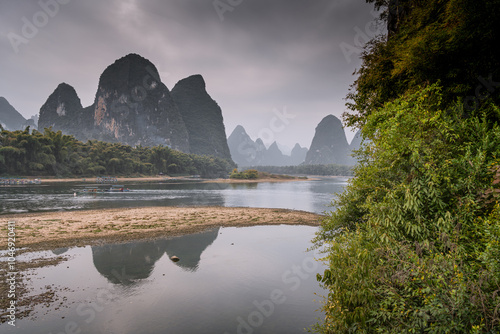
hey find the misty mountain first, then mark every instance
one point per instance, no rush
(10, 118)
(63, 111)
(274, 157)
(356, 141)
(246, 152)
(202, 117)
(132, 106)
(329, 145)
(298, 155)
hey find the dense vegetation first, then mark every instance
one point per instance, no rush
(253, 174)
(414, 243)
(249, 174)
(324, 170)
(451, 42)
(55, 154)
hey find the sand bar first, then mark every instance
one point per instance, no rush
(50, 230)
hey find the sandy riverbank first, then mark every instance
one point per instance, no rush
(77, 228)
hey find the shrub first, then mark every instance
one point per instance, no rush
(413, 245)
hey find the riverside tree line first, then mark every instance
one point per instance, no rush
(52, 153)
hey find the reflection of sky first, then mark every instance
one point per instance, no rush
(313, 196)
(242, 266)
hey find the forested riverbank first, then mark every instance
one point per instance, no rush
(54, 154)
(413, 246)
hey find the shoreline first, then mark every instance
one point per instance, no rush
(166, 179)
(50, 230)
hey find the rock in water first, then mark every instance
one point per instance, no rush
(174, 258)
(329, 145)
(202, 116)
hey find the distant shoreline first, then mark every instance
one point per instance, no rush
(166, 179)
(50, 230)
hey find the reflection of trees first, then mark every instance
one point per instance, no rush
(250, 185)
(126, 263)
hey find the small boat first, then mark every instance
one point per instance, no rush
(118, 188)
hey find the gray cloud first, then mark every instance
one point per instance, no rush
(264, 54)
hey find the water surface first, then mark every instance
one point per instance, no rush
(229, 280)
(310, 195)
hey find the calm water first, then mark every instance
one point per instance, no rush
(229, 280)
(313, 196)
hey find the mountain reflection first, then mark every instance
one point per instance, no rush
(126, 263)
(59, 251)
(190, 247)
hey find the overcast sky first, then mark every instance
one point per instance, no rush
(259, 58)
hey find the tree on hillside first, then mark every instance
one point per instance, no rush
(413, 243)
(450, 42)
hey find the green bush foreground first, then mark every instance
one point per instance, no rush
(413, 246)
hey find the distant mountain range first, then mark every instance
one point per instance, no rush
(246, 152)
(329, 146)
(132, 106)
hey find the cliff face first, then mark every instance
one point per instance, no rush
(63, 111)
(202, 116)
(329, 145)
(10, 118)
(133, 106)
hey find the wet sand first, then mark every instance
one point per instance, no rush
(49, 230)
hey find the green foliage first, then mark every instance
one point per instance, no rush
(249, 174)
(55, 154)
(413, 246)
(450, 42)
